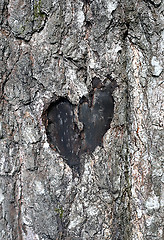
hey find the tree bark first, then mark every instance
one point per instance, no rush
(81, 120)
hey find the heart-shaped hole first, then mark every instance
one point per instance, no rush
(73, 130)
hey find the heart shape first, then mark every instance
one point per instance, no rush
(74, 130)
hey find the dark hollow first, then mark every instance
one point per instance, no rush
(95, 112)
(96, 119)
(62, 131)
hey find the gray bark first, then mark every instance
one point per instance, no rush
(53, 50)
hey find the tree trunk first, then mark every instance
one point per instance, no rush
(81, 120)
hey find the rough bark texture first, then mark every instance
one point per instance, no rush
(71, 49)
